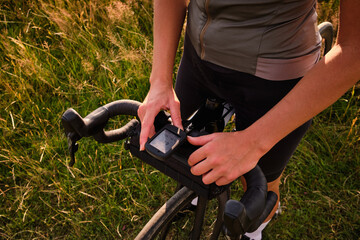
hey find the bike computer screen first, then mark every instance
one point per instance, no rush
(165, 141)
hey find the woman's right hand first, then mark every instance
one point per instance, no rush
(168, 22)
(161, 96)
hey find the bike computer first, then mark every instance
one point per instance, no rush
(165, 142)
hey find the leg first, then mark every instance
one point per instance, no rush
(274, 186)
(252, 98)
(194, 82)
(273, 163)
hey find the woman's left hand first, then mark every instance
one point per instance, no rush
(223, 157)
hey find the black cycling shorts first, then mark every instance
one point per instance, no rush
(251, 97)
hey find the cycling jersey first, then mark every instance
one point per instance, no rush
(271, 39)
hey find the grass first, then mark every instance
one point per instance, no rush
(56, 54)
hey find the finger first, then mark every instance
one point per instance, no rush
(222, 181)
(202, 140)
(147, 128)
(210, 177)
(144, 135)
(226, 177)
(217, 173)
(176, 115)
(198, 155)
(201, 168)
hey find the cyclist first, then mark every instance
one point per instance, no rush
(262, 57)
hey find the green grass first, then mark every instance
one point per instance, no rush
(56, 54)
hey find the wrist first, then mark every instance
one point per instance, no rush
(257, 139)
(161, 79)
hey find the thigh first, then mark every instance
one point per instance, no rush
(274, 162)
(194, 82)
(188, 89)
(269, 94)
(252, 97)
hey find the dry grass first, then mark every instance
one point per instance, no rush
(56, 54)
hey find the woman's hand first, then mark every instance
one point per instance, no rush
(224, 157)
(160, 97)
(168, 22)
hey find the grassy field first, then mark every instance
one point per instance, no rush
(56, 54)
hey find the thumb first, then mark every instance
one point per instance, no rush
(202, 140)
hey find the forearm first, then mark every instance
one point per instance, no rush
(168, 21)
(320, 88)
(169, 18)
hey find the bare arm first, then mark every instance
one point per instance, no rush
(321, 86)
(230, 155)
(168, 21)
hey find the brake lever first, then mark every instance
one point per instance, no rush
(73, 146)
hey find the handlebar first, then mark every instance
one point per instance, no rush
(93, 124)
(326, 31)
(239, 216)
(255, 205)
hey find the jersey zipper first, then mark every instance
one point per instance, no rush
(202, 33)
